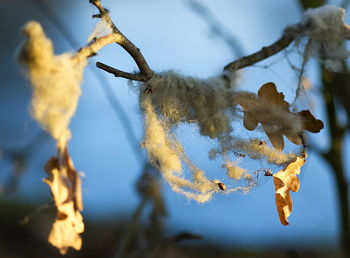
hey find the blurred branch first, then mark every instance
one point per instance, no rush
(216, 27)
(121, 115)
(49, 14)
(306, 56)
(342, 90)
(130, 235)
(150, 192)
(306, 4)
(345, 4)
(334, 156)
(330, 86)
(19, 158)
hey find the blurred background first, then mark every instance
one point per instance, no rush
(196, 38)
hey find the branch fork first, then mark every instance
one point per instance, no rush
(118, 37)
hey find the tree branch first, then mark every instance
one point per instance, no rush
(289, 35)
(116, 37)
(146, 73)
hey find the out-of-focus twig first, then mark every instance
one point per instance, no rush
(19, 157)
(306, 57)
(150, 192)
(216, 27)
(345, 4)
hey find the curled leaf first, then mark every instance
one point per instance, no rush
(65, 188)
(271, 110)
(286, 180)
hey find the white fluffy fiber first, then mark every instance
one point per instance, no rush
(102, 28)
(169, 99)
(326, 28)
(55, 81)
(207, 103)
(166, 153)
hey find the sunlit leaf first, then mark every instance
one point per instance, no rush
(271, 110)
(65, 187)
(286, 180)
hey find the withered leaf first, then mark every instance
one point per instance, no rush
(286, 180)
(271, 110)
(65, 188)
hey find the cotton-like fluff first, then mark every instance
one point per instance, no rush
(55, 80)
(234, 171)
(326, 28)
(166, 153)
(208, 103)
(102, 28)
(169, 99)
(255, 149)
(162, 148)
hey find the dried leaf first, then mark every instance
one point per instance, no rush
(64, 183)
(286, 180)
(271, 110)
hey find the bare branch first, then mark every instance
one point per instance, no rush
(121, 40)
(287, 38)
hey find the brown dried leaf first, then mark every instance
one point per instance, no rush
(271, 110)
(64, 183)
(286, 180)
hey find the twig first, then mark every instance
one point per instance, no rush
(217, 28)
(20, 158)
(345, 4)
(122, 115)
(300, 87)
(121, 40)
(287, 38)
(118, 73)
(132, 230)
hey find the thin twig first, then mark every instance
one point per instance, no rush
(287, 38)
(122, 115)
(300, 87)
(216, 27)
(345, 4)
(118, 73)
(132, 230)
(20, 158)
